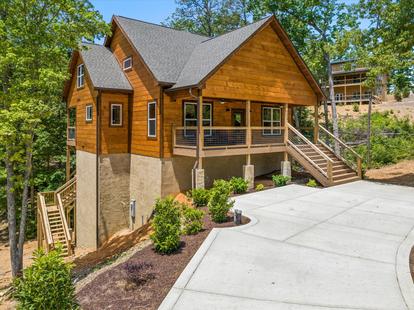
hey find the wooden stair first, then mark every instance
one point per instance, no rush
(57, 229)
(320, 161)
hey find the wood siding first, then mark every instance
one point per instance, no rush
(79, 99)
(145, 89)
(262, 70)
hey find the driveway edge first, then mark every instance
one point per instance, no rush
(402, 269)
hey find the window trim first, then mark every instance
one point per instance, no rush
(88, 120)
(273, 132)
(154, 119)
(123, 63)
(79, 76)
(207, 132)
(111, 115)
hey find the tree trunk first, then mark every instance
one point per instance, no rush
(11, 212)
(296, 117)
(333, 103)
(369, 134)
(326, 112)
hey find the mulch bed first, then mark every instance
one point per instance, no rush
(149, 278)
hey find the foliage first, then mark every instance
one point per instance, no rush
(199, 196)
(280, 180)
(192, 221)
(140, 273)
(312, 183)
(46, 284)
(355, 107)
(259, 187)
(166, 225)
(239, 185)
(219, 204)
(392, 138)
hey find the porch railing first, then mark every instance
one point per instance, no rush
(228, 137)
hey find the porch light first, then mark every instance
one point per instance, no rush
(222, 101)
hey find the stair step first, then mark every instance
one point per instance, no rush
(344, 176)
(348, 180)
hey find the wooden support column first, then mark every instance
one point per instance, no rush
(67, 146)
(360, 89)
(200, 132)
(249, 132)
(286, 132)
(316, 128)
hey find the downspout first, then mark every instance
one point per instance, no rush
(98, 148)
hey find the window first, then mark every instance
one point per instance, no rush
(190, 117)
(116, 114)
(356, 95)
(80, 77)
(271, 117)
(89, 113)
(152, 119)
(339, 96)
(127, 64)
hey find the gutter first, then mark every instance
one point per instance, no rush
(98, 147)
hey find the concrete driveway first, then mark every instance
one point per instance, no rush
(343, 247)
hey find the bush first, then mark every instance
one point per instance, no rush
(200, 196)
(239, 185)
(259, 187)
(140, 273)
(219, 204)
(192, 221)
(46, 284)
(280, 180)
(355, 107)
(312, 183)
(166, 225)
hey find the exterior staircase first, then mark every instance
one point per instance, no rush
(327, 166)
(52, 222)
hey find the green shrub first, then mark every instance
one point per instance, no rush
(355, 107)
(166, 225)
(192, 221)
(200, 196)
(259, 187)
(280, 180)
(46, 284)
(312, 183)
(239, 185)
(219, 204)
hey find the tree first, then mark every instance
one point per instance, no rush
(387, 45)
(209, 17)
(36, 37)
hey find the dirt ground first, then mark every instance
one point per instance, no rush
(402, 109)
(401, 173)
(145, 278)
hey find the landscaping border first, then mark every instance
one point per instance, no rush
(402, 269)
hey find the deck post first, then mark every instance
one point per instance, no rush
(285, 133)
(316, 129)
(249, 132)
(199, 171)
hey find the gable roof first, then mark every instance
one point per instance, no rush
(182, 59)
(211, 53)
(103, 68)
(164, 50)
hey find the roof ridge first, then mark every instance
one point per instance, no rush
(162, 26)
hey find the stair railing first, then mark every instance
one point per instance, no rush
(295, 139)
(344, 151)
(64, 224)
(44, 224)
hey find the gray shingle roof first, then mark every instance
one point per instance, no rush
(103, 69)
(211, 53)
(164, 50)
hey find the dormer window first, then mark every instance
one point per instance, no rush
(80, 77)
(127, 63)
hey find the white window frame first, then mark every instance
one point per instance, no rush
(120, 115)
(208, 132)
(88, 117)
(80, 76)
(152, 119)
(339, 96)
(271, 131)
(125, 60)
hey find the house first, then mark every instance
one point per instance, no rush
(349, 77)
(156, 111)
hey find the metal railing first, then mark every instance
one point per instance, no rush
(348, 81)
(306, 149)
(341, 150)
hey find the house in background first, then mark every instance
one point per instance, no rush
(157, 111)
(348, 78)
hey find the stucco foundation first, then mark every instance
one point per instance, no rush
(114, 170)
(86, 199)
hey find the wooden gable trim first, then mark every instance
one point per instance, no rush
(108, 40)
